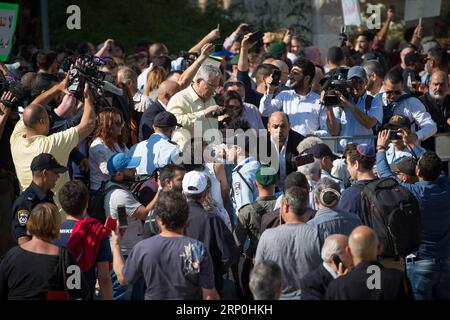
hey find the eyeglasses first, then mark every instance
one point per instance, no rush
(395, 92)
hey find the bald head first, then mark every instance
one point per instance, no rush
(279, 126)
(364, 244)
(166, 90)
(33, 114)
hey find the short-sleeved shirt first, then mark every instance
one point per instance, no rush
(155, 153)
(173, 267)
(31, 197)
(135, 230)
(296, 249)
(104, 253)
(351, 127)
(24, 149)
(243, 189)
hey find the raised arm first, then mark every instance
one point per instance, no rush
(210, 37)
(87, 123)
(189, 74)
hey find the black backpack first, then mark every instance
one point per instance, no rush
(393, 212)
(96, 208)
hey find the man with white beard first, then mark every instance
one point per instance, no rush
(437, 101)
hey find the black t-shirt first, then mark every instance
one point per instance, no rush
(25, 275)
(104, 253)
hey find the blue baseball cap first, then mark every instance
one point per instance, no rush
(121, 161)
(356, 71)
(365, 150)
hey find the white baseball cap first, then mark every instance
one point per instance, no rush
(194, 182)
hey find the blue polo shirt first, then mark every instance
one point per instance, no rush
(434, 201)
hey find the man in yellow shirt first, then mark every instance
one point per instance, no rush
(195, 107)
(30, 139)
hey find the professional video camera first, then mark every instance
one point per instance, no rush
(19, 92)
(335, 81)
(85, 70)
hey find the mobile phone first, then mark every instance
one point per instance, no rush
(110, 224)
(123, 219)
(336, 261)
(276, 75)
(256, 36)
(393, 135)
(303, 159)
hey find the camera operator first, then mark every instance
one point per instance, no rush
(30, 135)
(360, 113)
(300, 104)
(195, 105)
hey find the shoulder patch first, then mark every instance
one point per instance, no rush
(237, 188)
(22, 217)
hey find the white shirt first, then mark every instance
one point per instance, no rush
(282, 162)
(414, 109)
(141, 102)
(142, 78)
(251, 114)
(99, 155)
(304, 111)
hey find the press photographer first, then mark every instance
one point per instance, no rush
(359, 113)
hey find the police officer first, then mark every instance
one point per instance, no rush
(46, 171)
(158, 151)
(243, 175)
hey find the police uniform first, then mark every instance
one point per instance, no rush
(33, 195)
(158, 151)
(30, 197)
(243, 190)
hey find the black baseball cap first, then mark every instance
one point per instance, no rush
(48, 162)
(398, 121)
(165, 119)
(321, 150)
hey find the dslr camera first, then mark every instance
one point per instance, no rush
(18, 90)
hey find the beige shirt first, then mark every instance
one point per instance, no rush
(187, 106)
(24, 149)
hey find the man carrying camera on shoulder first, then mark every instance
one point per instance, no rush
(359, 112)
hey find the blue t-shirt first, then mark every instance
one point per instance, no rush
(351, 199)
(104, 253)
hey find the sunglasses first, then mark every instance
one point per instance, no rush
(396, 92)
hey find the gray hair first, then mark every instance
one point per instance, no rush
(206, 71)
(128, 74)
(265, 280)
(311, 170)
(297, 199)
(327, 192)
(331, 246)
(308, 143)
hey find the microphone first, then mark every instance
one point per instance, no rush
(108, 86)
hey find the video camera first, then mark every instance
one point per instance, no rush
(336, 81)
(86, 70)
(18, 90)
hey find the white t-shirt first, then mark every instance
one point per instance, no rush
(99, 155)
(135, 230)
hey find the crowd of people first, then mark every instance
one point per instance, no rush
(207, 176)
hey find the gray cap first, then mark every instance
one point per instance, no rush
(356, 71)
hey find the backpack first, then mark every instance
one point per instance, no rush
(393, 212)
(96, 208)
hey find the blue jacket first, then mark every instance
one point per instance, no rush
(434, 201)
